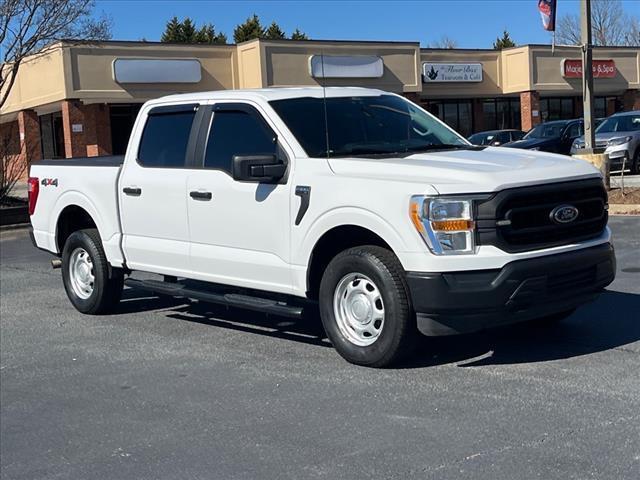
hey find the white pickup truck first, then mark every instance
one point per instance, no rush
(354, 200)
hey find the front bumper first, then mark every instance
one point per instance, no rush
(463, 302)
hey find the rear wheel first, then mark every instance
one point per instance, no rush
(365, 308)
(91, 284)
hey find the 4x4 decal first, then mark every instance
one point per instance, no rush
(49, 181)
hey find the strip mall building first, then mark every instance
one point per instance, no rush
(80, 99)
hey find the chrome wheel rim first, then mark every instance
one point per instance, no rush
(359, 309)
(81, 274)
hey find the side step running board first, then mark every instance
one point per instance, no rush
(258, 304)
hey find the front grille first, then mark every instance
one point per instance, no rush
(519, 219)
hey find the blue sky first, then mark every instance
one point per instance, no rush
(472, 23)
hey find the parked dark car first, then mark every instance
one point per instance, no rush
(556, 136)
(495, 137)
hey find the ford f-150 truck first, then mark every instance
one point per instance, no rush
(354, 200)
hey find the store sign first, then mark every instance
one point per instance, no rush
(345, 66)
(147, 70)
(601, 68)
(451, 72)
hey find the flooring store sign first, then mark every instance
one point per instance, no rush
(451, 72)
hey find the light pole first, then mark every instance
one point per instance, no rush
(587, 75)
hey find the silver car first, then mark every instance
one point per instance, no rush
(619, 135)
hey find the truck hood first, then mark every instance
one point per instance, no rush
(469, 171)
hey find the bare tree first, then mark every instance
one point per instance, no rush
(444, 42)
(30, 26)
(11, 168)
(610, 25)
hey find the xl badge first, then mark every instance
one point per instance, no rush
(564, 214)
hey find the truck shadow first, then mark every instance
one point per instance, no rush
(611, 322)
(306, 330)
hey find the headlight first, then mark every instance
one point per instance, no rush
(535, 148)
(578, 145)
(618, 141)
(445, 224)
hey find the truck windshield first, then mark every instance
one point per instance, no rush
(367, 125)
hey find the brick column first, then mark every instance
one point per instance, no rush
(75, 144)
(97, 129)
(29, 134)
(631, 100)
(529, 103)
(92, 135)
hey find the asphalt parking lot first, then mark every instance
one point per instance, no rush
(167, 390)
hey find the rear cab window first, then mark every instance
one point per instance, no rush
(165, 137)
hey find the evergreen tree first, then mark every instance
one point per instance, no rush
(172, 32)
(248, 30)
(188, 31)
(274, 32)
(298, 35)
(504, 42)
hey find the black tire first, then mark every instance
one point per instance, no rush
(398, 333)
(108, 282)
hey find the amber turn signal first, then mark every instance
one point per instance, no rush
(452, 225)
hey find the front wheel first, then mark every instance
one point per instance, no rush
(91, 284)
(365, 308)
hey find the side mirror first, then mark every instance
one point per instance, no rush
(258, 168)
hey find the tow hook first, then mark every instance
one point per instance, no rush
(56, 263)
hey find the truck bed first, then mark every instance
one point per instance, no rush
(67, 186)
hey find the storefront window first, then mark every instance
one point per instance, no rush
(600, 106)
(557, 109)
(122, 119)
(501, 113)
(458, 115)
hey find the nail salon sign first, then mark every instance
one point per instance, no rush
(451, 72)
(601, 68)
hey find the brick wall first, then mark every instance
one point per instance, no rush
(529, 102)
(92, 125)
(98, 129)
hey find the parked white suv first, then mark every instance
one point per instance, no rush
(356, 199)
(619, 137)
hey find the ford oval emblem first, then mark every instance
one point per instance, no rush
(564, 214)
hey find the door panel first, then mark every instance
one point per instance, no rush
(241, 235)
(154, 223)
(153, 193)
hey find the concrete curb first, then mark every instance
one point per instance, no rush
(623, 209)
(14, 226)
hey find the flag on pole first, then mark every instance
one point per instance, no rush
(548, 13)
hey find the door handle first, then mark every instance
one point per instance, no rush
(201, 195)
(135, 191)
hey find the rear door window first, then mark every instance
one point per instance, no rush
(165, 138)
